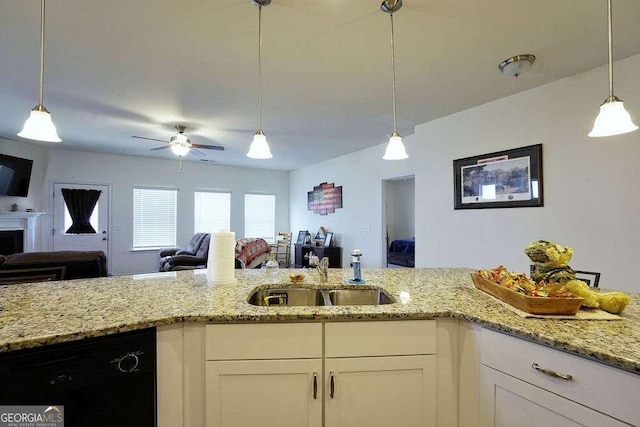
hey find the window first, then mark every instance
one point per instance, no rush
(212, 212)
(260, 216)
(154, 218)
(93, 220)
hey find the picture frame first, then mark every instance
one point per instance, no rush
(592, 278)
(328, 239)
(302, 237)
(503, 179)
(320, 236)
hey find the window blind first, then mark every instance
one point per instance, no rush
(212, 212)
(154, 218)
(260, 216)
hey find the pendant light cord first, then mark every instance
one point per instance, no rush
(41, 52)
(393, 70)
(609, 13)
(259, 68)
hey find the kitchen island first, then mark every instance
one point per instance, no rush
(38, 314)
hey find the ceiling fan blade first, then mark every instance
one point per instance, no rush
(197, 152)
(208, 147)
(150, 139)
(160, 148)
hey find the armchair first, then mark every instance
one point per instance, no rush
(193, 256)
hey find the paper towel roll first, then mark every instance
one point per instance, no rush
(221, 261)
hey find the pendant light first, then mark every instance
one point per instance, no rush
(259, 148)
(39, 125)
(395, 148)
(613, 118)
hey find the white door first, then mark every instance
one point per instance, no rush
(380, 391)
(265, 393)
(62, 221)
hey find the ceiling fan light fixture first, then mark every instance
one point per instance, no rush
(613, 119)
(259, 148)
(180, 149)
(395, 148)
(39, 125)
(516, 65)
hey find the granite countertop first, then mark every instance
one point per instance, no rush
(38, 314)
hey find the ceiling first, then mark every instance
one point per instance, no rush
(120, 68)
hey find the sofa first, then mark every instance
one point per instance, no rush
(193, 256)
(249, 253)
(78, 264)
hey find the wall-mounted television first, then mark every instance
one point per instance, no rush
(15, 174)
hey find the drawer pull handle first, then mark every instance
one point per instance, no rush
(333, 386)
(551, 373)
(315, 385)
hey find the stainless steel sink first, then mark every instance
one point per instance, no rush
(288, 297)
(358, 297)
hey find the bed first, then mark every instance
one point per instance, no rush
(402, 252)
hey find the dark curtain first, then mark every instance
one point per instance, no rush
(80, 204)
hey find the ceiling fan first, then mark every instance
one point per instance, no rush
(181, 145)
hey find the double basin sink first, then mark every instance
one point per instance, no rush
(287, 297)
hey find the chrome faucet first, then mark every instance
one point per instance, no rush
(321, 265)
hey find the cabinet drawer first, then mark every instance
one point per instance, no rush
(603, 388)
(387, 338)
(264, 341)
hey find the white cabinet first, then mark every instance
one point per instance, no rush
(511, 402)
(282, 393)
(380, 391)
(532, 385)
(375, 374)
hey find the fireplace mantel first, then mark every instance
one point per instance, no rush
(25, 221)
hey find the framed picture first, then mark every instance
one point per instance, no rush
(590, 277)
(302, 237)
(504, 179)
(328, 239)
(321, 234)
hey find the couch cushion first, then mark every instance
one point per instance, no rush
(2, 259)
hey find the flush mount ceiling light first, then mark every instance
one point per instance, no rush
(39, 125)
(395, 148)
(515, 65)
(613, 119)
(259, 148)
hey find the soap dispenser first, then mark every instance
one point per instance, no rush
(355, 262)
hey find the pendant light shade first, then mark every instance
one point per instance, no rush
(613, 118)
(259, 148)
(395, 148)
(39, 125)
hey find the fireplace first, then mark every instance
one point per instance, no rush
(19, 222)
(11, 242)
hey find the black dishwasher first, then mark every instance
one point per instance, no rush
(107, 381)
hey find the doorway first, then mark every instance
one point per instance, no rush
(98, 241)
(398, 196)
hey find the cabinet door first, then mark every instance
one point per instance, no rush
(507, 402)
(264, 393)
(380, 391)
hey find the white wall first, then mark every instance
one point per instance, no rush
(590, 200)
(125, 172)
